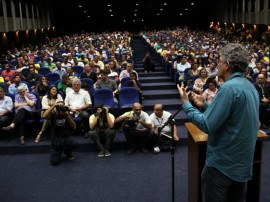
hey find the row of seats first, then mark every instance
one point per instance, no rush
(127, 97)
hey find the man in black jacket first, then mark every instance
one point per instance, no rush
(264, 95)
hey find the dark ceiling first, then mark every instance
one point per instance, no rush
(133, 15)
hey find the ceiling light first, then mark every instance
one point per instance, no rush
(88, 16)
(135, 10)
(80, 6)
(111, 15)
(186, 9)
(158, 14)
(137, 4)
(84, 11)
(161, 9)
(181, 13)
(135, 14)
(124, 20)
(192, 3)
(142, 20)
(110, 10)
(133, 20)
(165, 4)
(109, 5)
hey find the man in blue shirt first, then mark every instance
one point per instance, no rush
(231, 122)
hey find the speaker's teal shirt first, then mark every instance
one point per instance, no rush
(231, 122)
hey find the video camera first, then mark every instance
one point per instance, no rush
(130, 123)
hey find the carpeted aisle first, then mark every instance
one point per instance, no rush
(138, 177)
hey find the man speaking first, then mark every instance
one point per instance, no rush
(231, 122)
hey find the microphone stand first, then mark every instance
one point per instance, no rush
(172, 122)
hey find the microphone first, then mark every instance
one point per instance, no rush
(169, 120)
(165, 124)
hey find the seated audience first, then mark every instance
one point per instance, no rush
(211, 69)
(64, 84)
(32, 78)
(133, 82)
(264, 95)
(42, 87)
(59, 69)
(200, 82)
(193, 71)
(24, 109)
(79, 103)
(105, 82)
(89, 72)
(48, 101)
(180, 67)
(126, 73)
(6, 108)
(13, 88)
(211, 90)
(7, 73)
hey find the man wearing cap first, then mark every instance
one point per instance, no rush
(102, 131)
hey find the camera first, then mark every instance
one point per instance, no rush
(103, 110)
(62, 108)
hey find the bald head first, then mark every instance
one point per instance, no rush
(260, 79)
(158, 110)
(137, 108)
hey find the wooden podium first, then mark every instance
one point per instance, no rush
(197, 141)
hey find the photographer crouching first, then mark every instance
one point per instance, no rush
(61, 125)
(136, 127)
(102, 129)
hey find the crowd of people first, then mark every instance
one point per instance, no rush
(106, 59)
(195, 55)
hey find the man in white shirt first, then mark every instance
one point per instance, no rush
(126, 72)
(136, 128)
(79, 102)
(162, 141)
(6, 107)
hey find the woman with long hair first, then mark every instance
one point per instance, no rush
(48, 101)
